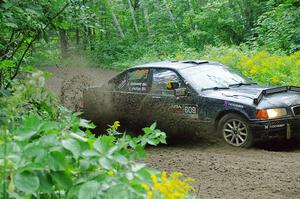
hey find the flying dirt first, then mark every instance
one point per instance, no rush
(268, 170)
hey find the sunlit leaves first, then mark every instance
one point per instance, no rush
(154, 136)
(73, 146)
(86, 124)
(105, 163)
(24, 133)
(89, 190)
(31, 127)
(26, 181)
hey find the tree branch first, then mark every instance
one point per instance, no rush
(31, 42)
(22, 57)
(9, 42)
(17, 47)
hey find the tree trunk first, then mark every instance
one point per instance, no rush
(155, 5)
(64, 45)
(193, 26)
(115, 20)
(146, 17)
(103, 21)
(77, 37)
(85, 38)
(92, 35)
(133, 16)
(170, 13)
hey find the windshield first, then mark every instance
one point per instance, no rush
(212, 77)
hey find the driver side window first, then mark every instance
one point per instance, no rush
(160, 79)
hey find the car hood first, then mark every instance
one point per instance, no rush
(246, 95)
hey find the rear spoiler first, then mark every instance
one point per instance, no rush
(274, 90)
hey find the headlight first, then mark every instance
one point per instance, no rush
(271, 113)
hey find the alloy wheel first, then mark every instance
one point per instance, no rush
(235, 132)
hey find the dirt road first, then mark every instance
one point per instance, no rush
(269, 170)
(221, 171)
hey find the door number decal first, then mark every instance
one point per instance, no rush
(186, 110)
(190, 109)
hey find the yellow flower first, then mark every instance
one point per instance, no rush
(253, 70)
(146, 187)
(154, 179)
(164, 176)
(116, 125)
(110, 173)
(179, 57)
(150, 194)
(275, 79)
(172, 187)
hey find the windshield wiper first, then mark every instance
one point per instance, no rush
(214, 88)
(242, 84)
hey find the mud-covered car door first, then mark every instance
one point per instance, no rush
(164, 107)
(130, 90)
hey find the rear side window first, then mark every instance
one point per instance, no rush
(133, 81)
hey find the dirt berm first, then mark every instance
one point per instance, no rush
(268, 170)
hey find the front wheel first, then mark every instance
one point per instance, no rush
(235, 131)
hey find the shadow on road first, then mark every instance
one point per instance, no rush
(206, 142)
(280, 145)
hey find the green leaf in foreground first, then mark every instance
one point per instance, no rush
(105, 163)
(45, 182)
(24, 133)
(89, 190)
(73, 146)
(62, 179)
(26, 181)
(56, 161)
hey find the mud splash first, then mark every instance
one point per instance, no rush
(69, 82)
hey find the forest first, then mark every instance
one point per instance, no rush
(48, 151)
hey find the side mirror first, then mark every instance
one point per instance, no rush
(180, 92)
(172, 85)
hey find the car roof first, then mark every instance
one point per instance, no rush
(178, 65)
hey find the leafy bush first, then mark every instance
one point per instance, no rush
(278, 29)
(263, 67)
(48, 152)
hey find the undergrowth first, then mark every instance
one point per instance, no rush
(47, 151)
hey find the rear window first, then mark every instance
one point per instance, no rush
(133, 81)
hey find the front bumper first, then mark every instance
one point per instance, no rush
(278, 128)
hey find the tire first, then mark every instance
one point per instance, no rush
(235, 130)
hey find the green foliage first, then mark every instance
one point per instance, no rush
(263, 67)
(48, 152)
(278, 29)
(164, 29)
(22, 24)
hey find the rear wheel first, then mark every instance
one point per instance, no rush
(235, 130)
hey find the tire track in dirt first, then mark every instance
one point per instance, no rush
(221, 171)
(269, 170)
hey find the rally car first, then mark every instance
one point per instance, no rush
(197, 95)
